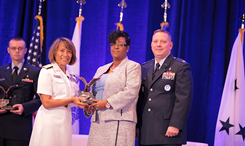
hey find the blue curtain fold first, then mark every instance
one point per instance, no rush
(203, 32)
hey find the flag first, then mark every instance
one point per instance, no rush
(76, 39)
(230, 126)
(35, 49)
(34, 53)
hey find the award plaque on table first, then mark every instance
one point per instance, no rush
(85, 94)
(7, 101)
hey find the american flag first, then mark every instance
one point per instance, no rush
(34, 53)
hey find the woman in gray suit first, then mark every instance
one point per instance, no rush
(116, 93)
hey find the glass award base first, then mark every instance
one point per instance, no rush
(89, 102)
(8, 108)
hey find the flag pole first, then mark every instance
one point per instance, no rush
(40, 7)
(80, 18)
(81, 2)
(242, 18)
(165, 24)
(241, 30)
(75, 68)
(34, 56)
(122, 4)
(41, 24)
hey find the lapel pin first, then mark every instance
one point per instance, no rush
(24, 68)
(167, 87)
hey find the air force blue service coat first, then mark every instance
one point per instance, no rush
(164, 101)
(13, 126)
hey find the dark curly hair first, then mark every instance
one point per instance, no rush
(116, 34)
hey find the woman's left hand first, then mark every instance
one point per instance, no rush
(100, 104)
(79, 102)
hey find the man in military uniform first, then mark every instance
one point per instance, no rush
(165, 96)
(16, 125)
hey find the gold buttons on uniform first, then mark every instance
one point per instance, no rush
(151, 89)
(149, 109)
(149, 99)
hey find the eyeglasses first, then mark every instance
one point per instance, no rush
(120, 45)
(14, 48)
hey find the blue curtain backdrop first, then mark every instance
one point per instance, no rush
(203, 32)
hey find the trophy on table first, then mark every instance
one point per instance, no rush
(6, 103)
(85, 94)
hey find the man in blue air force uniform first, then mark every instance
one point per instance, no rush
(165, 96)
(16, 125)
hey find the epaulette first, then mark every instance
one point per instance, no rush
(180, 60)
(48, 66)
(147, 62)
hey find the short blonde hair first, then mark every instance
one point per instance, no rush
(164, 31)
(68, 44)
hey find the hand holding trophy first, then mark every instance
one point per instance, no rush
(85, 94)
(4, 102)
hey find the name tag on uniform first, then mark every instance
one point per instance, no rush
(57, 76)
(168, 75)
(2, 79)
(27, 80)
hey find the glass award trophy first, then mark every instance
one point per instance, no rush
(6, 102)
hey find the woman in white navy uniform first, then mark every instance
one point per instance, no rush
(58, 90)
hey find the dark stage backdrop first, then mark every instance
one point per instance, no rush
(203, 33)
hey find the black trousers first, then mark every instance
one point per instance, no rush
(13, 142)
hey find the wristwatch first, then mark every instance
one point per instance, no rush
(107, 105)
